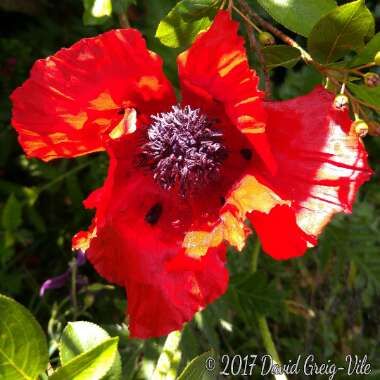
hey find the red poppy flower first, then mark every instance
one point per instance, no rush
(184, 177)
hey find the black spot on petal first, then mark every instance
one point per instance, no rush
(121, 111)
(154, 213)
(246, 154)
(222, 200)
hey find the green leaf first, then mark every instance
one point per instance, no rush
(281, 55)
(300, 82)
(23, 348)
(181, 25)
(90, 365)
(121, 6)
(196, 9)
(101, 8)
(298, 15)
(342, 30)
(367, 55)
(254, 294)
(79, 337)
(96, 12)
(197, 368)
(12, 215)
(366, 94)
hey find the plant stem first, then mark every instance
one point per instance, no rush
(361, 102)
(123, 20)
(74, 300)
(371, 64)
(267, 339)
(62, 177)
(282, 36)
(261, 320)
(247, 20)
(255, 255)
(255, 45)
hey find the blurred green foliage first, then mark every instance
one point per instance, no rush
(326, 302)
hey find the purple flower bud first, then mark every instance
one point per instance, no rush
(61, 280)
(55, 282)
(81, 258)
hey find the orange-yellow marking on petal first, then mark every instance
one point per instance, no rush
(76, 121)
(246, 119)
(83, 238)
(58, 137)
(182, 58)
(229, 61)
(103, 102)
(50, 64)
(234, 230)
(101, 121)
(197, 243)
(126, 125)
(252, 99)
(33, 144)
(60, 93)
(150, 82)
(249, 195)
(253, 130)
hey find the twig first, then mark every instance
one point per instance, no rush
(255, 45)
(377, 109)
(123, 20)
(282, 36)
(247, 20)
(371, 64)
(230, 5)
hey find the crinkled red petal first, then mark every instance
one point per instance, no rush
(75, 96)
(141, 249)
(215, 70)
(321, 165)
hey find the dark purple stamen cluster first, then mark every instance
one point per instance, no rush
(184, 149)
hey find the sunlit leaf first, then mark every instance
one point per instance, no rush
(182, 24)
(96, 11)
(298, 15)
(366, 94)
(101, 8)
(201, 368)
(367, 55)
(79, 337)
(23, 348)
(90, 365)
(168, 361)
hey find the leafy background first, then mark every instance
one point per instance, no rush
(326, 303)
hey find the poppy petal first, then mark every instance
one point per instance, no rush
(321, 165)
(279, 233)
(215, 69)
(136, 242)
(247, 196)
(73, 97)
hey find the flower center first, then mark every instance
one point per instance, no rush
(184, 149)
